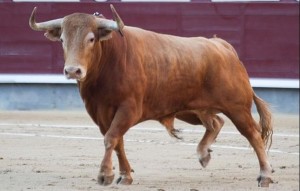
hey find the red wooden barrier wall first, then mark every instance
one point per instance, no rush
(266, 35)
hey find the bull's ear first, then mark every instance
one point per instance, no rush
(53, 35)
(104, 34)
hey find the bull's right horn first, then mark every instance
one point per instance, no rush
(48, 25)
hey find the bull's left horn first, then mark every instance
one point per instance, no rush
(48, 25)
(111, 25)
(117, 19)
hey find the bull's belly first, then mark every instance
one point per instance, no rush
(164, 107)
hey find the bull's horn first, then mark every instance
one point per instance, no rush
(44, 25)
(116, 25)
(117, 19)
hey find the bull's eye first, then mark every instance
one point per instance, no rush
(92, 40)
(61, 40)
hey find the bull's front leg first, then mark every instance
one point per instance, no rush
(106, 174)
(124, 166)
(123, 119)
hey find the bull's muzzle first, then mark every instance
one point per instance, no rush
(73, 72)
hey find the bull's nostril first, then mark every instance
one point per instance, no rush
(78, 72)
(66, 71)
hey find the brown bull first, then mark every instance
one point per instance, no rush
(127, 75)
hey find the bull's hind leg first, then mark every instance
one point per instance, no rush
(124, 166)
(213, 125)
(249, 128)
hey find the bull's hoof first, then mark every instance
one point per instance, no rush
(264, 181)
(105, 180)
(124, 180)
(205, 160)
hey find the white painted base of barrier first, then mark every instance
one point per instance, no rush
(60, 79)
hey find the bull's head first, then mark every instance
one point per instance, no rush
(80, 35)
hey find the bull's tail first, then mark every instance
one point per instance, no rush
(265, 121)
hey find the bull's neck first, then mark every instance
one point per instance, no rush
(113, 57)
(108, 65)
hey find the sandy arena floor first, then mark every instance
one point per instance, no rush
(61, 150)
